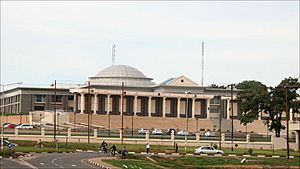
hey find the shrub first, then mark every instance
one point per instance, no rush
(250, 151)
(7, 153)
(215, 146)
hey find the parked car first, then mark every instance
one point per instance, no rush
(157, 132)
(5, 125)
(182, 133)
(209, 134)
(143, 131)
(11, 126)
(169, 131)
(25, 126)
(208, 150)
(8, 144)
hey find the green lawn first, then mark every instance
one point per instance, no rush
(198, 162)
(141, 148)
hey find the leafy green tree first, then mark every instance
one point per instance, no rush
(276, 103)
(251, 97)
(255, 97)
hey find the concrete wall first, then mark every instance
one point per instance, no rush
(16, 119)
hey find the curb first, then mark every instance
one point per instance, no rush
(98, 165)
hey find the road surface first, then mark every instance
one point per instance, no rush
(51, 160)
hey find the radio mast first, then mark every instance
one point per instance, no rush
(202, 64)
(113, 54)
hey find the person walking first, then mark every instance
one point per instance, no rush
(176, 148)
(148, 148)
(124, 152)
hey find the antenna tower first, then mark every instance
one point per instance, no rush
(113, 54)
(202, 64)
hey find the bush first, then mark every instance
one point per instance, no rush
(7, 153)
(215, 146)
(250, 151)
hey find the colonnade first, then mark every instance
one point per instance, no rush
(152, 106)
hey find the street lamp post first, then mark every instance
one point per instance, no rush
(2, 114)
(186, 117)
(220, 122)
(54, 111)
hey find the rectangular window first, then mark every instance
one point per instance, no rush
(58, 98)
(70, 97)
(215, 100)
(39, 98)
(71, 109)
(39, 108)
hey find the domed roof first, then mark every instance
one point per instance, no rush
(117, 74)
(123, 71)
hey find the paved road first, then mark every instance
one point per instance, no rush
(52, 160)
(12, 163)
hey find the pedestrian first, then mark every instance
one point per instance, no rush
(39, 144)
(124, 152)
(176, 147)
(148, 148)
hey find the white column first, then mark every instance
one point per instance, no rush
(69, 132)
(135, 104)
(193, 107)
(76, 102)
(178, 107)
(95, 133)
(108, 104)
(208, 108)
(164, 107)
(96, 103)
(259, 115)
(149, 106)
(228, 109)
(291, 115)
(82, 103)
(42, 132)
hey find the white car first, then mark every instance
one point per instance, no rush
(157, 132)
(209, 134)
(25, 126)
(182, 133)
(208, 150)
(143, 131)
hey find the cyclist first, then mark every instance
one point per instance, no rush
(113, 150)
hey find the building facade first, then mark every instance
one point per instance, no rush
(142, 97)
(22, 100)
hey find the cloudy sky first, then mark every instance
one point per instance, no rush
(71, 41)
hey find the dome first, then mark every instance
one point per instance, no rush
(123, 71)
(117, 74)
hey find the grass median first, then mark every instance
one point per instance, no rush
(28, 146)
(197, 162)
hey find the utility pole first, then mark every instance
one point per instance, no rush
(88, 111)
(122, 106)
(220, 122)
(54, 136)
(132, 123)
(231, 100)
(287, 123)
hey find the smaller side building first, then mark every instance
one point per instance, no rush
(22, 100)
